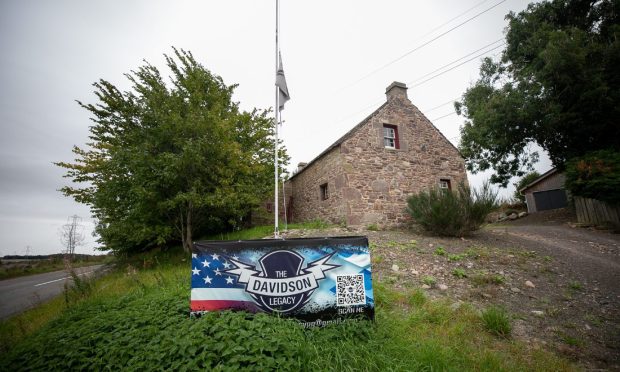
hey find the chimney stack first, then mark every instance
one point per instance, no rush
(396, 90)
(301, 166)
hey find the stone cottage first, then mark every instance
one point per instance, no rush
(366, 176)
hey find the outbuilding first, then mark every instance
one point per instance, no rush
(546, 192)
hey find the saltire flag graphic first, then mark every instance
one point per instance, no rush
(316, 280)
(281, 84)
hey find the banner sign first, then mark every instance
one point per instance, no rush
(316, 280)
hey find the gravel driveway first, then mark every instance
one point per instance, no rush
(559, 281)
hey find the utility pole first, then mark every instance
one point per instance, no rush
(72, 234)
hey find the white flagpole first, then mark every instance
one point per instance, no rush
(284, 205)
(276, 232)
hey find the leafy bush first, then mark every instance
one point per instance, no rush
(595, 175)
(372, 227)
(452, 213)
(429, 280)
(456, 257)
(497, 321)
(459, 273)
(484, 278)
(440, 251)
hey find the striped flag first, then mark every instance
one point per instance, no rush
(213, 288)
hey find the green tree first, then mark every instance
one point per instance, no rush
(595, 175)
(168, 161)
(557, 85)
(524, 181)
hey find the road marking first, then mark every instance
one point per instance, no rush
(67, 277)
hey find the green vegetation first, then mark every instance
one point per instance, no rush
(456, 257)
(372, 227)
(483, 278)
(575, 285)
(450, 213)
(595, 175)
(168, 162)
(137, 318)
(440, 251)
(429, 280)
(570, 340)
(497, 321)
(523, 181)
(559, 69)
(259, 232)
(459, 273)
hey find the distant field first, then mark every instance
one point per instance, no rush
(16, 267)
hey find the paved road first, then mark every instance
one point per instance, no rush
(19, 294)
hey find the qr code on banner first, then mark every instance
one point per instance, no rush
(350, 290)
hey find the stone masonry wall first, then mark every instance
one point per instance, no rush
(306, 197)
(368, 183)
(380, 179)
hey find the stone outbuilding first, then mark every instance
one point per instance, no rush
(546, 192)
(366, 176)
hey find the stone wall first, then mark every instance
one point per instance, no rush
(306, 193)
(381, 179)
(369, 184)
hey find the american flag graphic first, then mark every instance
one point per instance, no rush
(311, 279)
(213, 288)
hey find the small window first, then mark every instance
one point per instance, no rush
(390, 136)
(324, 192)
(444, 184)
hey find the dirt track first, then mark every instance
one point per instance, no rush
(559, 281)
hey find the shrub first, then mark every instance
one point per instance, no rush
(429, 280)
(372, 227)
(452, 213)
(440, 251)
(497, 321)
(595, 175)
(459, 273)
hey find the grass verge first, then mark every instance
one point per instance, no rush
(260, 232)
(136, 318)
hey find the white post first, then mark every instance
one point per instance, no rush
(284, 205)
(276, 232)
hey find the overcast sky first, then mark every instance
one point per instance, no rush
(338, 57)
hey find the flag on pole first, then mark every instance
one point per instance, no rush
(281, 84)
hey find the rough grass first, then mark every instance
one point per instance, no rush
(137, 318)
(259, 232)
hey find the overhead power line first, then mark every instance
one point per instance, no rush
(459, 59)
(374, 104)
(444, 116)
(426, 43)
(453, 67)
(440, 106)
(452, 19)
